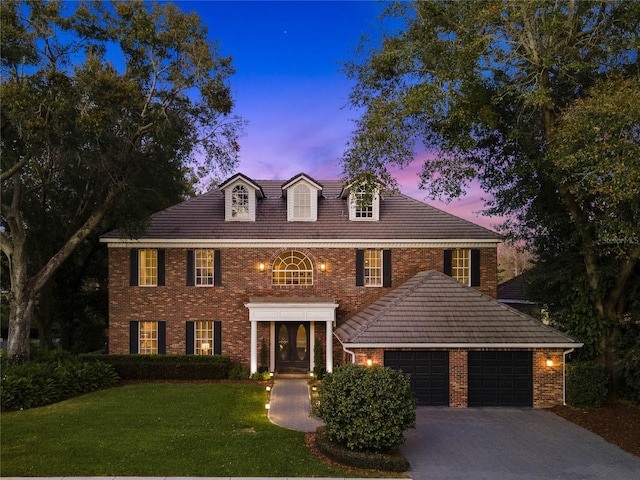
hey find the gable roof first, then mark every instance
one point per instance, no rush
(433, 310)
(514, 290)
(247, 180)
(402, 218)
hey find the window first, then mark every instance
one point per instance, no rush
(373, 268)
(204, 267)
(147, 268)
(463, 265)
(364, 205)
(292, 268)
(301, 202)
(240, 202)
(148, 338)
(204, 338)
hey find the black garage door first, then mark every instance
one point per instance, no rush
(429, 373)
(500, 379)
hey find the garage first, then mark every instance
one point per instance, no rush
(429, 371)
(500, 378)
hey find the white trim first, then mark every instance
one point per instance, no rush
(463, 345)
(300, 243)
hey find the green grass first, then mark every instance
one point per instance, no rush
(207, 429)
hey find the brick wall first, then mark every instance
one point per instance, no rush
(176, 303)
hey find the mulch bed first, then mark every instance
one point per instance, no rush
(617, 421)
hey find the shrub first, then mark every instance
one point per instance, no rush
(367, 408)
(35, 384)
(628, 351)
(259, 376)
(167, 367)
(388, 462)
(238, 372)
(586, 384)
(318, 370)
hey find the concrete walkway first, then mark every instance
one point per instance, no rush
(290, 404)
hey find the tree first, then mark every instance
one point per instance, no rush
(501, 91)
(104, 109)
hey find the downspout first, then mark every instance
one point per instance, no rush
(564, 374)
(353, 355)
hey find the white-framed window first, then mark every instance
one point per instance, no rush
(204, 268)
(240, 208)
(292, 268)
(461, 266)
(203, 336)
(148, 268)
(301, 202)
(373, 268)
(148, 338)
(364, 206)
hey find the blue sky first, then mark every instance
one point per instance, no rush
(290, 90)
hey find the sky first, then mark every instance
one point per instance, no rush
(289, 89)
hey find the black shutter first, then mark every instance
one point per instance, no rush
(190, 270)
(191, 341)
(217, 268)
(161, 267)
(386, 268)
(448, 258)
(359, 268)
(133, 337)
(133, 268)
(217, 337)
(162, 338)
(475, 268)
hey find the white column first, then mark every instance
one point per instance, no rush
(312, 342)
(254, 347)
(329, 352)
(272, 349)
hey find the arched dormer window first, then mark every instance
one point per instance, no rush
(292, 268)
(240, 202)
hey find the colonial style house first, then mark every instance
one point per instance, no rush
(302, 264)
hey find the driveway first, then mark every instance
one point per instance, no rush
(506, 443)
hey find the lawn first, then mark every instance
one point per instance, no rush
(195, 429)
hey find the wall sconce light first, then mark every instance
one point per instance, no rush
(261, 266)
(323, 266)
(369, 362)
(549, 362)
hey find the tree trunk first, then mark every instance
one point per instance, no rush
(21, 304)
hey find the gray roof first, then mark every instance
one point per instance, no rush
(432, 309)
(401, 217)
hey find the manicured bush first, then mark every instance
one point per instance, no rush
(167, 367)
(367, 408)
(35, 384)
(238, 372)
(586, 384)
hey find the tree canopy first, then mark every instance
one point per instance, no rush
(535, 100)
(107, 108)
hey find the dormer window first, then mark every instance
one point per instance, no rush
(364, 206)
(302, 199)
(241, 196)
(240, 203)
(301, 202)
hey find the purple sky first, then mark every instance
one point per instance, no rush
(289, 88)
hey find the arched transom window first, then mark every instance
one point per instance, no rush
(292, 268)
(240, 202)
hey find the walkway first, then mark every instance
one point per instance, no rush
(290, 404)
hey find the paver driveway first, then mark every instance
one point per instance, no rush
(510, 444)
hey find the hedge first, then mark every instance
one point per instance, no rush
(35, 384)
(167, 367)
(586, 384)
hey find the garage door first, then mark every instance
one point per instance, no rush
(500, 379)
(429, 373)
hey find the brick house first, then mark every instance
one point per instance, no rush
(290, 266)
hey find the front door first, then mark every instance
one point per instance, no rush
(292, 346)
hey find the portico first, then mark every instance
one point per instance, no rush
(292, 330)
